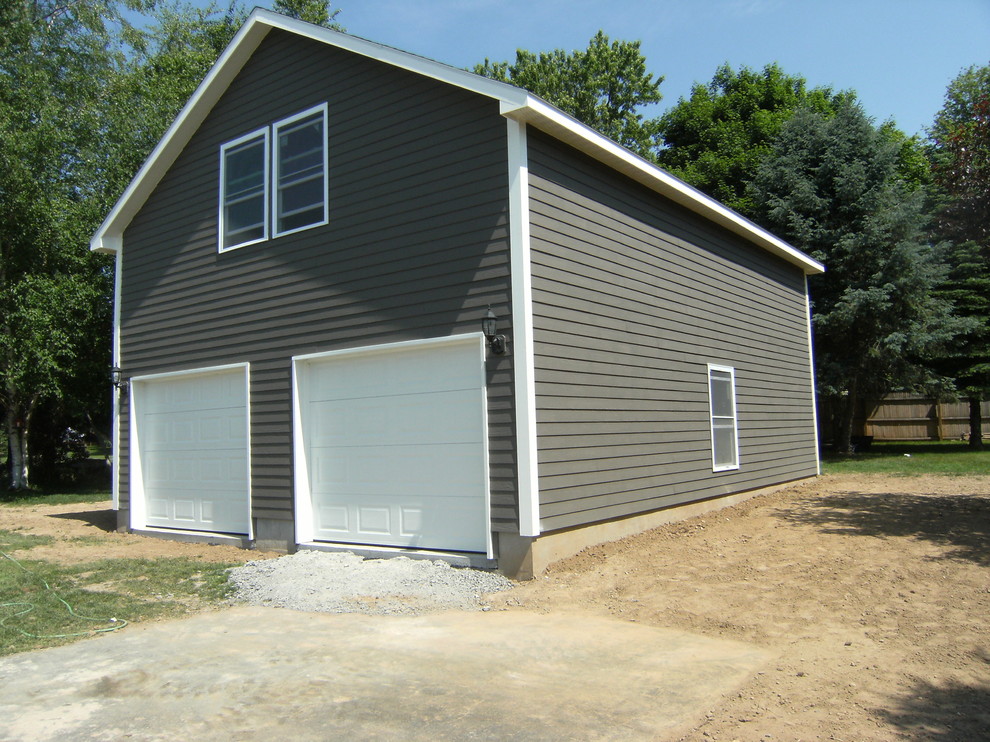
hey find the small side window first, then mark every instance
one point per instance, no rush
(722, 406)
(300, 162)
(244, 190)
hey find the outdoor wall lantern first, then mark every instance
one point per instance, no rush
(117, 379)
(489, 326)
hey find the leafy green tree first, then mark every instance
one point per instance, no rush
(55, 59)
(84, 97)
(830, 185)
(603, 86)
(312, 11)
(716, 138)
(960, 154)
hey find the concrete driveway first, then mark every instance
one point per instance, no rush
(264, 673)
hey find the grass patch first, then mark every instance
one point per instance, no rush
(55, 496)
(912, 458)
(14, 541)
(33, 616)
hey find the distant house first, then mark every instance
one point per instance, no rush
(304, 266)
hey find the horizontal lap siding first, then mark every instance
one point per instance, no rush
(632, 297)
(417, 246)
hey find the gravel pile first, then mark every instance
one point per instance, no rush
(342, 582)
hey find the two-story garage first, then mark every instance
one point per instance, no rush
(367, 300)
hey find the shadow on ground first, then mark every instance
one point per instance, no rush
(961, 523)
(951, 711)
(104, 519)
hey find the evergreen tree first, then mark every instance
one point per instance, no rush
(716, 138)
(960, 154)
(830, 186)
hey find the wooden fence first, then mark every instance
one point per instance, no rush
(904, 417)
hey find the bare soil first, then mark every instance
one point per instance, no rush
(871, 592)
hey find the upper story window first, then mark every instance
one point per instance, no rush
(268, 191)
(244, 190)
(300, 171)
(722, 406)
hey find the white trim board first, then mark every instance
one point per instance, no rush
(515, 103)
(523, 357)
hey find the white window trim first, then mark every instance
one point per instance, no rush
(273, 191)
(735, 416)
(257, 133)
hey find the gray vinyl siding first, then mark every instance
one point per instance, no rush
(416, 247)
(633, 296)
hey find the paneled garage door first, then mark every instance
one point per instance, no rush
(395, 445)
(192, 447)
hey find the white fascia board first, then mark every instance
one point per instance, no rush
(555, 122)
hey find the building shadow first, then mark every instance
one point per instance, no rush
(104, 519)
(960, 523)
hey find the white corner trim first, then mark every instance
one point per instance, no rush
(811, 370)
(523, 358)
(115, 403)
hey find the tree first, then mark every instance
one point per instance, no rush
(830, 185)
(603, 86)
(84, 96)
(54, 60)
(716, 138)
(312, 11)
(960, 155)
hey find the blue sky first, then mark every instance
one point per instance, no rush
(899, 55)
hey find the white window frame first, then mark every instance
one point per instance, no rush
(716, 467)
(276, 127)
(263, 134)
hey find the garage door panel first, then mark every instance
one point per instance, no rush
(407, 521)
(395, 444)
(398, 420)
(421, 469)
(396, 373)
(192, 441)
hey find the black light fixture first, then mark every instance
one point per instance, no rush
(489, 326)
(117, 379)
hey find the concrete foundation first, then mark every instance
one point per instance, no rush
(524, 558)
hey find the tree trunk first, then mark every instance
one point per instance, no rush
(844, 425)
(17, 431)
(975, 422)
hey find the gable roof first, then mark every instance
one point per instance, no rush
(514, 102)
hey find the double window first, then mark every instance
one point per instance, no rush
(273, 181)
(722, 406)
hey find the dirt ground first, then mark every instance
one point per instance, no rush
(871, 592)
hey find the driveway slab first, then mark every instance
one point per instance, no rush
(253, 673)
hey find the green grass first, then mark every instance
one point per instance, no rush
(912, 458)
(33, 614)
(56, 496)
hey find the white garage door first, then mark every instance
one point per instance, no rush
(395, 446)
(193, 451)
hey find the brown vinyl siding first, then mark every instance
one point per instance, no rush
(416, 247)
(633, 296)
